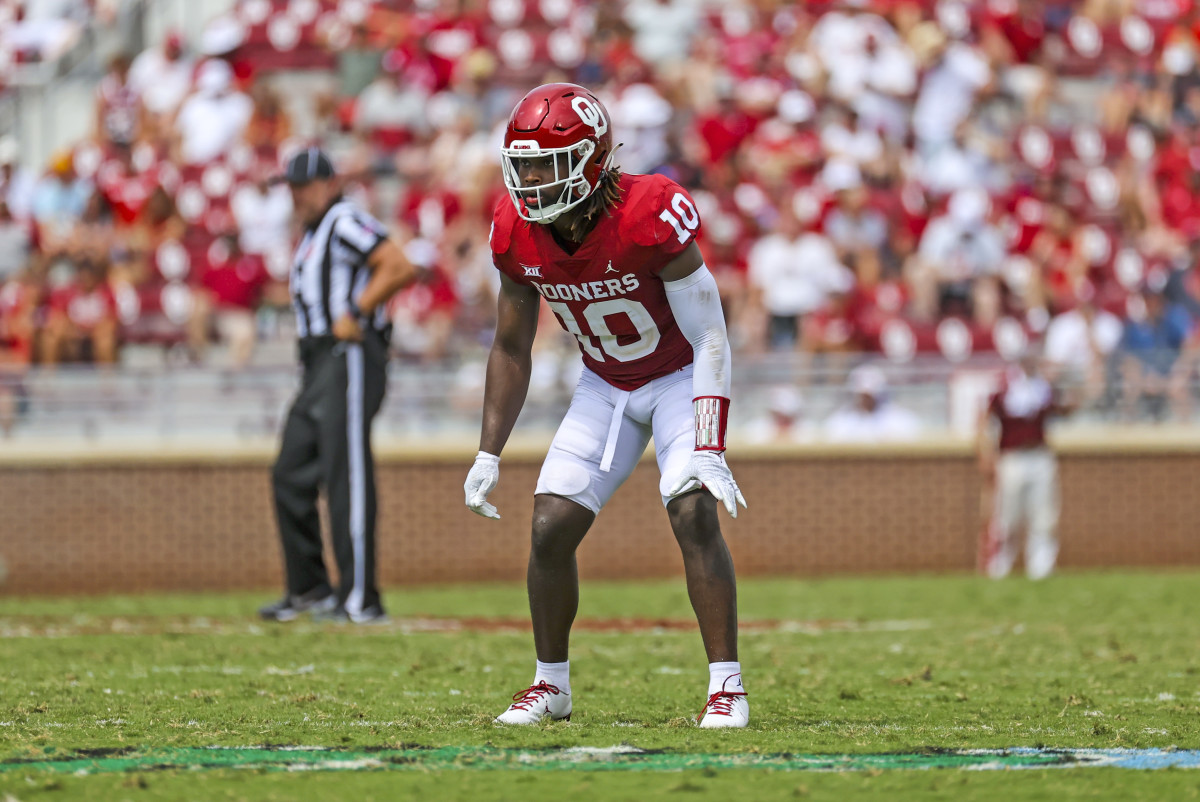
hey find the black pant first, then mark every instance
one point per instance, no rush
(327, 441)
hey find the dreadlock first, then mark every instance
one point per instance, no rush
(606, 194)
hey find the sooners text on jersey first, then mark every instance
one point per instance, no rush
(608, 293)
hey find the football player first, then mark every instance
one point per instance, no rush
(615, 258)
(1023, 475)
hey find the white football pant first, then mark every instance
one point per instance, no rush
(605, 432)
(1027, 491)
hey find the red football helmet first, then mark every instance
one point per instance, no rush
(562, 124)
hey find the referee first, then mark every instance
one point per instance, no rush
(344, 271)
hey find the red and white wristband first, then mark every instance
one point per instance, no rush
(712, 419)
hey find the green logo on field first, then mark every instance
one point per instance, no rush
(617, 758)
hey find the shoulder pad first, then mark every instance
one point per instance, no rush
(649, 197)
(504, 217)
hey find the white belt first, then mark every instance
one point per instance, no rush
(614, 428)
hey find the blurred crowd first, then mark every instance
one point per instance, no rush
(887, 176)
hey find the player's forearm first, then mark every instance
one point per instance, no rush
(696, 305)
(504, 393)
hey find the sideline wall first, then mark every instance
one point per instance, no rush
(127, 522)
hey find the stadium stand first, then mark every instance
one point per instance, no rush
(967, 171)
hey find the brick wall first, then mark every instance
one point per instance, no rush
(207, 525)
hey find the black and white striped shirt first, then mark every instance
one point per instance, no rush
(330, 268)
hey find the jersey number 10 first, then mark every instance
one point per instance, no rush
(687, 213)
(595, 313)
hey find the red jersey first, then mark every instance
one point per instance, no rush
(608, 293)
(1022, 406)
(237, 284)
(86, 309)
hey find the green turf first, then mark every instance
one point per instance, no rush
(691, 786)
(863, 665)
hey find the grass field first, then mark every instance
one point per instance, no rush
(875, 675)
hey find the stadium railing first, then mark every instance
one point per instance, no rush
(183, 403)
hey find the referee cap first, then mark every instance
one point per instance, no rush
(310, 164)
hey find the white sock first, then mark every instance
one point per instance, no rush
(556, 674)
(719, 672)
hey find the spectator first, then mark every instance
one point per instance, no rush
(234, 283)
(830, 329)
(870, 416)
(855, 229)
(958, 73)
(18, 305)
(263, 212)
(962, 163)
(784, 421)
(662, 29)
(1079, 343)
(1058, 255)
(852, 43)
(844, 138)
(960, 252)
(17, 185)
(44, 32)
(889, 80)
(93, 237)
(14, 244)
(58, 202)
(82, 321)
(422, 314)
(644, 114)
(162, 76)
(877, 297)
(719, 132)
(214, 117)
(357, 63)
(269, 124)
(391, 110)
(791, 274)
(157, 223)
(1152, 343)
(118, 105)
(771, 109)
(126, 181)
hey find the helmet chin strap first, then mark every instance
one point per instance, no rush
(608, 161)
(611, 158)
(546, 216)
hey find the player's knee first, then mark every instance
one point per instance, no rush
(694, 520)
(548, 543)
(558, 527)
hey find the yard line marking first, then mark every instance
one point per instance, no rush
(622, 757)
(36, 627)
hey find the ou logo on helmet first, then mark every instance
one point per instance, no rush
(591, 113)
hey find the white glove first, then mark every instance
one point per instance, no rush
(709, 468)
(482, 478)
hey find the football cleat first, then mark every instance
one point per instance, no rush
(727, 707)
(1000, 563)
(535, 703)
(337, 614)
(290, 607)
(1040, 556)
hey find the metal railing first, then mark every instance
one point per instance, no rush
(163, 401)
